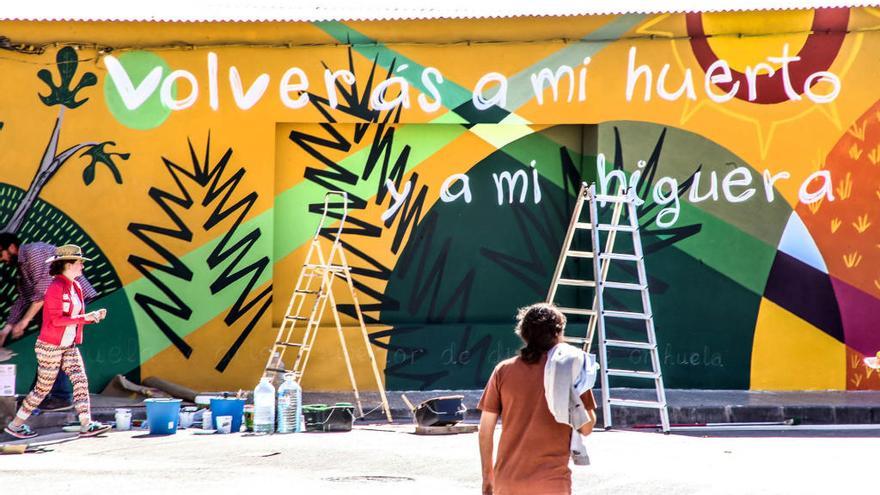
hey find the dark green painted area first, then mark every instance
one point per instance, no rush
(468, 267)
(704, 324)
(111, 347)
(464, 272)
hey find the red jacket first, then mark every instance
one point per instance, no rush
(56, 314)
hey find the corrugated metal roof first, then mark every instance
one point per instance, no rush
(329, 10)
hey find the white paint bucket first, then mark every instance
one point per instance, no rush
(224, 424)
(123, 419)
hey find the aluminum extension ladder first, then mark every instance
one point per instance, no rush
(314, 299)
(625, 199)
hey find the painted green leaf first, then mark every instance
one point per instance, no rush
(89, 174)
(62, 94)
(97, 154)
(67, 62)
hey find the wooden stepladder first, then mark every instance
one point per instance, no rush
(624, 204)
(311, 296)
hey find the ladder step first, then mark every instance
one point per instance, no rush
(291, 344)
(623, 285)
(282, 370)
(626, 314)
(580, 254)
(633, 374)
(619, 256)
(605, 227)
(577, 311)
(575, 340)
(637, 403)
(332, 268)
(613, 198)
(303, 291)
(576, 283)
(296, 318)
(622, 228)
(630, 344)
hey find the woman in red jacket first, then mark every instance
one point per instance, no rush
(63, 319)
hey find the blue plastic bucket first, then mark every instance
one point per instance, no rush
(162, 415)
(227, 407)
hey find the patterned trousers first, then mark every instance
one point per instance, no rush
(51, 358)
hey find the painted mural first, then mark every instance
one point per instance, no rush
(194, 175)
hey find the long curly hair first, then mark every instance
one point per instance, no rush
(539, 326)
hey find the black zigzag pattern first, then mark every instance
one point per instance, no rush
(218, 190)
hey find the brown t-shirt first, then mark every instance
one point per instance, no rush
(534, 451)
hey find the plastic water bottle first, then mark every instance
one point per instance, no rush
(289, 405)
(264, 406)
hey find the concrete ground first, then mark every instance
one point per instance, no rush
(389, 460)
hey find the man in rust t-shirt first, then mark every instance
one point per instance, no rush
(534, 450)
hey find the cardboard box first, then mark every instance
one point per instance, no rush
(7, 380)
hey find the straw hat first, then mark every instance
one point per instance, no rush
(68, 252)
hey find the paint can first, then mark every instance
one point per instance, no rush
(249, 417)
(123, 419)
(224, 424)
(187, 416)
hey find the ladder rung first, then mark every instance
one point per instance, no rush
(304, 291)
(605, 227)
(619, 256)
(622, 227)
(613, 198)
(577, 311)
(576, 283)
(626, 314)
(580, 254)
(637, 403)
(575, 340)
(630, 344)
(291, 344)
(633, 374)
(281, 370)
(332, 268)
(296, 318)
(623, 285)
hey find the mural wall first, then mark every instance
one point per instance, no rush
(194, 176)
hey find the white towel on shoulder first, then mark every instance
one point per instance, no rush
(568, 373)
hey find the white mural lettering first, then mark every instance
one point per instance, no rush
(738, 177)
(166, 93)
(397, 198)
(826, 190)
(447, 197)
(719, 73)
(694, 195)
(132, 97)
(286, 87)
(498, 99)
(330, 79)
(667, 216)
(247, 99)
(431, 86)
